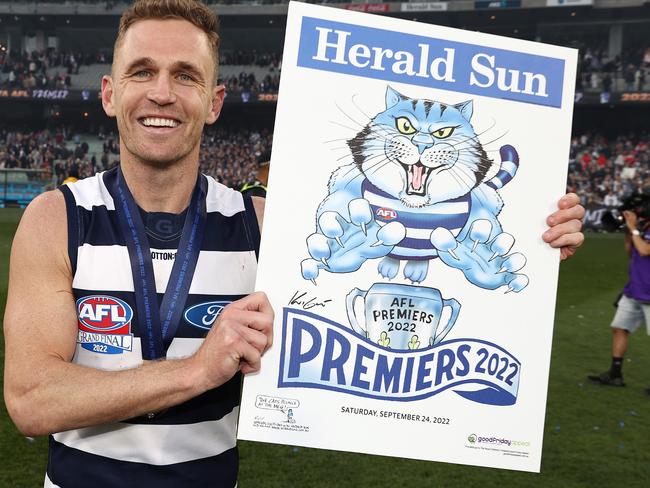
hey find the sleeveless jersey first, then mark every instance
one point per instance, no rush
(419, 222)
(188, 445)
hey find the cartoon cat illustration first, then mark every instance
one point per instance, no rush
(417, 189)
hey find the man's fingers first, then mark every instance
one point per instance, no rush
(567, 251)
(567, 234)
(567, 201)
(560, 231)
(249, 358)
(259, 340)
(566, 213)
(257, 302)
(257, 321)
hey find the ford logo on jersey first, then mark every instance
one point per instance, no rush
(104, 324)
(203, 315)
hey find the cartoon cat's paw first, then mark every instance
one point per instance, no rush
(388, 267)
(484, 260)
(342, 246)
(416, 271)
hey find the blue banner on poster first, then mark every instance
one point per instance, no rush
(425, 61)
(319, 353)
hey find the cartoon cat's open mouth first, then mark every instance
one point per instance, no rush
(416, 178)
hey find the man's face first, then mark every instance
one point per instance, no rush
(162, 91)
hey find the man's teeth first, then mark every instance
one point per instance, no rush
(156, 122)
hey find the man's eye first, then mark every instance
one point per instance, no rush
(185, 77)
(141, 74)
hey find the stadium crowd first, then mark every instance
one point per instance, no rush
(247, 82)
(604, 171)
(598, 72)
(34, 69)
(54, 69)
(266, 59)
(231, 156)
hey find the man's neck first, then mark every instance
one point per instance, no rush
(166, 189)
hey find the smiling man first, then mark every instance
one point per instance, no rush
(120, 359)
(131, 267)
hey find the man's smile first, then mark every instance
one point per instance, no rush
(159, 124)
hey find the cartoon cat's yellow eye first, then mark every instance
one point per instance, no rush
(444, 132)
(404, 125)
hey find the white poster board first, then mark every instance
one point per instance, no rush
(413, 168)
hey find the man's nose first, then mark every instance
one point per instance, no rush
(162, 91)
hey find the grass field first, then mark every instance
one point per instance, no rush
(594, 436)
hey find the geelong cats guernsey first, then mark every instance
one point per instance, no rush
(419, 222)
(189, 445)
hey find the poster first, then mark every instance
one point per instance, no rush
(413, 168)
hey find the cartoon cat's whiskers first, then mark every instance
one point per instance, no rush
(496, 139)
(366, 159)
(460, 176)
(366, 155)
(372, 169)
(340, 139)
(476, 136)
(354, 102)
(343, 125)
(470, 142)
(356, 122)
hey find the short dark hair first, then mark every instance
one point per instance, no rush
(194, 11)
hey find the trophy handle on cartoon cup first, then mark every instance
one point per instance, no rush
(399, 316)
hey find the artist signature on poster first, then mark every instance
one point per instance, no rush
(306, 302)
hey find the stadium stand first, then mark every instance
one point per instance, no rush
(55, 53)
(31, 162)
(604, 170)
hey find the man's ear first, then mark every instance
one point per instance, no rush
(107, 95)
(218, 94)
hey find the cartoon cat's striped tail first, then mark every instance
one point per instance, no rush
(508, 168)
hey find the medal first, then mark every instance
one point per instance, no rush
(158, 323)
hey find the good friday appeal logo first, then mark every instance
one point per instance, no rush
(104, 324)
(319, 353)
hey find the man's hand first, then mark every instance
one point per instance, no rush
(242, 333)
(565, 226)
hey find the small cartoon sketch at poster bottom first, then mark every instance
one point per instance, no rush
(400, 316)
(285, 406)
(283, 415)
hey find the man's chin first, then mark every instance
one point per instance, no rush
(158, 160)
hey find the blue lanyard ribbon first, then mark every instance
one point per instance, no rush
(158, 324)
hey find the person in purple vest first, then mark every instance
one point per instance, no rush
(633, 306)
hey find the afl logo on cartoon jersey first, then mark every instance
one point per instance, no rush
(384, 213)
(104, 324)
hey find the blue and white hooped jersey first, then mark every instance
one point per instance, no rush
(419, 222)
(188, 445)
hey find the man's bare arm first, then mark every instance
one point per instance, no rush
(47, 393)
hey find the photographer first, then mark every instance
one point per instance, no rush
(634, 304)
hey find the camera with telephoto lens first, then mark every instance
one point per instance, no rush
(638, 203)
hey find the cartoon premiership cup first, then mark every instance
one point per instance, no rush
(401, 316)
